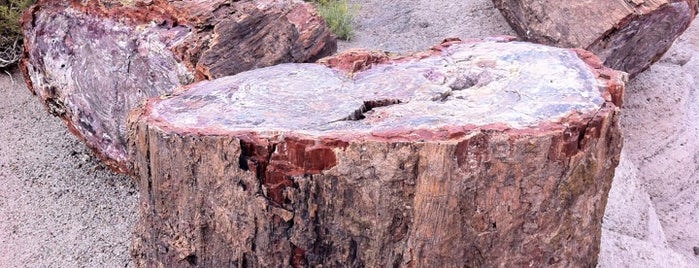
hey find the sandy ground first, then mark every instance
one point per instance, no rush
(652, 217)
(60, 208)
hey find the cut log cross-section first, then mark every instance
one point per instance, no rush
(475, 154)
(91, 62)
(628, 35)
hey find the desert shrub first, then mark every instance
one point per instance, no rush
(10, 30)
(338, 14)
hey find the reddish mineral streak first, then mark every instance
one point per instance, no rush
(134, 15)
(615, 81)
(275, 163)
(298, 259)
(358, 60)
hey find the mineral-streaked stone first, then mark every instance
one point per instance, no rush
(468, 84)
(471, 154)
(91, 62)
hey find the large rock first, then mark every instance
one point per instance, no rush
(628, 35)
(91, 62)
(474, 154)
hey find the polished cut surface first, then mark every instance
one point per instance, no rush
(512, 83)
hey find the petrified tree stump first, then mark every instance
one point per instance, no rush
(91, 62)
(474, 154)
(628, 35)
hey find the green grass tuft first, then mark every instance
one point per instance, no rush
(338, 14)
(10, 30)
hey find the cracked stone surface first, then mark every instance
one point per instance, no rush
(470, 154)
(466, 84)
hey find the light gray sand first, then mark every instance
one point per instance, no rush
(60, 208)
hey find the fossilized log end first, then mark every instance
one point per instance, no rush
(265, 33)
(91, 62)
(475, 153)
(627, 35)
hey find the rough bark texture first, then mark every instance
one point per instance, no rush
(626, 35)
(472, 154)
(91, 62)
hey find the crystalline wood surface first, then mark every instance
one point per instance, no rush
(517, 84)
(472, 154)
(91, 62)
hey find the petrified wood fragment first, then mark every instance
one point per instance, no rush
(475, 154)
(91, 62)
(628, 35)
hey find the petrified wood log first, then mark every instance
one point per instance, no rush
(628, 35)
(91, 62)
(474, 154)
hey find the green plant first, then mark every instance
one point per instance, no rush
(338, 14)
(10, 30)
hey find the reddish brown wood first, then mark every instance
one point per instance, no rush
(91, 62)
(472, 154)
(627, 35)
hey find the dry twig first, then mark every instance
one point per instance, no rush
(9, 54)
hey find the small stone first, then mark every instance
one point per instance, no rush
(696, 251)
(286, 215)
(424, 24)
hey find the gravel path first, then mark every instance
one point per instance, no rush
(60, 208)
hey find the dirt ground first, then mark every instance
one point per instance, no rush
(60, 208)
